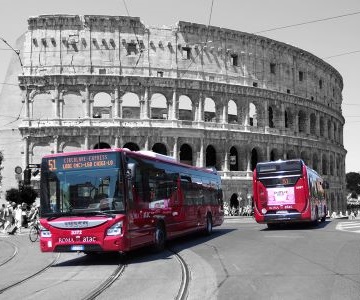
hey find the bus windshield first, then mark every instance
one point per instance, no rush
(81, 192)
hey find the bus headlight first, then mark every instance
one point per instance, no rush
(116, 229)
(44, 233)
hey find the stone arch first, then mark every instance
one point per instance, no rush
(38, 151)
(131, 106)
(329, 129)
(324, 163)
(160, 148)
(291, 154)
(102, 145)
(313, 124)
(322, 126)
(315, 162)
(286, 119)
(102, 106)
(185, 108)
(253, 114)
(271, 117)
(131, 146)
(70, 146)
(209, 110)
(42, 106)
(158, 106)
(305, 156)
(186, 154)
(274, 155)
(210, 160)
(72, 106)
(302, 121)
(254, 158)
(234, 159)
(332, 165)
(232, 112)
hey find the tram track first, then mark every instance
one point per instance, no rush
(106, 284)
(19, 282)
(185, 276)
(6, 260)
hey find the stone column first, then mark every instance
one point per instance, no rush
(56, 100)
(226, 161)
(225, 109)
(26, 151)
(175, 149)
(145, 102)
(116, 103)
(201, 104)
(25, 95)
(87, 101)
(56, 144)
(201, 156)
(175, 106)
(246, 112)
(86, 141)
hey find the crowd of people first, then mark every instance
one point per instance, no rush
(14, 217)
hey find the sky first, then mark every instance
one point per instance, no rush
(329, 29)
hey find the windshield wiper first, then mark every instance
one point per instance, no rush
(59, 215)
(98, 213)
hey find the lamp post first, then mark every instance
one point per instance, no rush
(17, 51)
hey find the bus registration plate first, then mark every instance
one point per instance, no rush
(282, 212)
(77, 248)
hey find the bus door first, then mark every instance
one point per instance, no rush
(189, 208)
(139, 226)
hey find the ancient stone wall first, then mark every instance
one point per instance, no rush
(208, 96)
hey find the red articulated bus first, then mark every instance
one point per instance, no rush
(287, 191)
(116, 200)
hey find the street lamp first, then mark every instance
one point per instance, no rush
(17, 51)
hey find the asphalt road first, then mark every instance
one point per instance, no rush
(240, 260)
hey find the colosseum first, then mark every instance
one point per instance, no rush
(207, 96)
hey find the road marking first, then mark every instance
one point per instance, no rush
(353, 226)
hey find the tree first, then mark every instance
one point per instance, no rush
(13, 195)
(26, 194)
(353, 182)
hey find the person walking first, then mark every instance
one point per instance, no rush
(2, 216)
(9, 218)
(18, 218)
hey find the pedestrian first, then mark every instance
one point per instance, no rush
(9, 218)
(18, 218)
(2, 216)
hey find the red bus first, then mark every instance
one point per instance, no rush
(287, 191)
(116, 200)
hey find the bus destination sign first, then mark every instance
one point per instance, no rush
(80, 162)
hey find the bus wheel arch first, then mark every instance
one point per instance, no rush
(160, 236)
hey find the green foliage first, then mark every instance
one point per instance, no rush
(353, 182)
(26, 194)
(13, 195)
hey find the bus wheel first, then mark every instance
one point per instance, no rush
(160, 237)
(316, 221)
(209, 225)
(323, 218)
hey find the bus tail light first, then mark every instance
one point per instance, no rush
(116, 229)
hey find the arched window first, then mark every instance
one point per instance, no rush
(186, 156)
(210, 156)
(233, 159)
(159, 148)
(102, 106)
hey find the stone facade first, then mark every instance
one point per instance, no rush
(208, 96)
